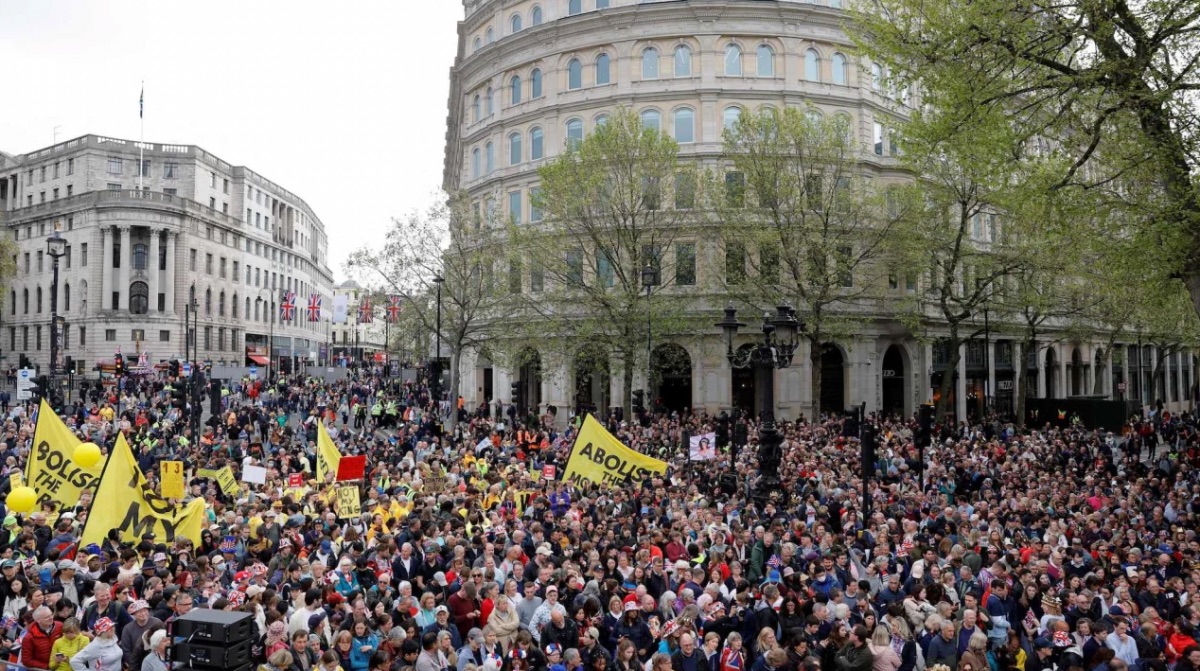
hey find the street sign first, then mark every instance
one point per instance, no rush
(25, 383)
(186, 368)
(253, 372)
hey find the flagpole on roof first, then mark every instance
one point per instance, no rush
(142, 137)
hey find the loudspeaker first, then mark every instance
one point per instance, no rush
(204, 625)
(212, 655)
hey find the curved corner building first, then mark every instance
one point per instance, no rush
(532, 74)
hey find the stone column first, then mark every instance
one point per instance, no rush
(106, 249)
(960, 384)
(1040, 358)
(123, 276)
(990, 360)
(169, 273)
(152, 269)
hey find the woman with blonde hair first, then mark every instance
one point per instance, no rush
(975, 658)
(504, 623)
(884, 657)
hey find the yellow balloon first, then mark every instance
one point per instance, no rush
(22, 499)
(86, 455)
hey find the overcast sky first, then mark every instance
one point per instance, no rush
(344, 104)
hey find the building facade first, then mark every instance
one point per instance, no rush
(355, 341)
(150, 228)
(533, 75)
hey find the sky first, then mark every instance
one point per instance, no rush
(345, 108)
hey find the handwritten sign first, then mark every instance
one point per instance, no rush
(347, 501)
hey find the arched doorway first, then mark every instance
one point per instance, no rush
(833, 379)
(1051, 373)
(892, 383)
(592, 375)
(743, 394)
(671, 378)
(1077, 376)
(529, 380)
(485, 376)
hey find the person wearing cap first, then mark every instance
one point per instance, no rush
(1043, 651)
(103, 653)
(130, 638)
(442, 623)
(75, 586)
(472, 652)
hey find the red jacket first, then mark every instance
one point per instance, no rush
(36, 645)
(460, 613)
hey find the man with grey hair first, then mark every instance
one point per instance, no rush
(39, 639)
(572, 660)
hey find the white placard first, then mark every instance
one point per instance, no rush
(254, 474)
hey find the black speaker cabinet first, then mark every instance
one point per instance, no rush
(204, 625)
(212, 655)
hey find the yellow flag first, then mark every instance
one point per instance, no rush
(124, 501)
(599, 457)
(328, 456)
(50, 470)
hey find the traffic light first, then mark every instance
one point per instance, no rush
(868, 450)
(852, 424)
(722, 430)
(516, 392)
(119, 365)
(639, 401)
(179, 395)
(174, 367)
(214, 396)
(41, 385)
(924, 434)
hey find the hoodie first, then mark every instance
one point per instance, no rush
(102, 654)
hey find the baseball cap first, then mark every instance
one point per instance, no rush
(1042, 642)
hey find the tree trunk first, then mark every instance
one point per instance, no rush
(1022, 387)
(455, 360)
(949, 375)
(627, 389)
(814, 362)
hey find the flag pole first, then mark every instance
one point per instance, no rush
(142, 137)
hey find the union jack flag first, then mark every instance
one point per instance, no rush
(287, 309)
(314, 307)
(393, 308)
(364, 311)
(775, 562)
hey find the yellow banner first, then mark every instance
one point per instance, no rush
(124, 501)
(328, 456)
(50, 470)
(224, 478)
(171, 479)
(348, 504)
(599, 457)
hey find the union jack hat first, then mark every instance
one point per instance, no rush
(102, 625)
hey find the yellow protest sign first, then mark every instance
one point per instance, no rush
(328, 456)
(50, 469)
(599, 457)
(171, 479)
(347, 501)
(125, 502)
(224, 478)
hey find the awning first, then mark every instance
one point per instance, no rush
(258, 359)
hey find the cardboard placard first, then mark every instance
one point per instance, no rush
(351, 468)
(171, 484)
(295, 480)
(346, 499)
(254, 474)
(548, 472)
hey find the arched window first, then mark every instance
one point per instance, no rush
(514, 90)
(846, 125)
(233, 305)
(139, 298)
(25, 300)
(766, 61)
(476, 168)
(685, 125)
(514, 149)
(67, 297)
(839, 70)
(207, 301)
(574, 132)
(139, 256)
(601, 120)
(813, 117)
(730, 117)
(476, 43)
(603, 67)
(535, 17)
(39, 300)
(683, 61)
(877, 77)
(733, 60)
(514, 24)
(574, 7)
(490, 101)
(489, 158)
(535, 84)
(652, 119)
(650, 63)
(574, 74)
(476, 113)
(536, 144)
(812, 66)
(489, 36)
(221, 305)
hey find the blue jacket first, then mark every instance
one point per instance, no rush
(359, 660)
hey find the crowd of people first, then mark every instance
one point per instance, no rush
(1028, 550)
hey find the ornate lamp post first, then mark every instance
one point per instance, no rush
(780, 338)
(56, 247)
(648, 282)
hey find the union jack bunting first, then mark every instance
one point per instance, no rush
(287, 309)
(314, 307)
(364, 311)
(393, 308)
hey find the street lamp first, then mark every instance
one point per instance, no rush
(780, 338)
(56, 247)
(648, 284)
(436, 369)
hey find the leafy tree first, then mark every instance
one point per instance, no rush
(607, 217)
(448, 245)
(802, 224)
(1107, 85)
